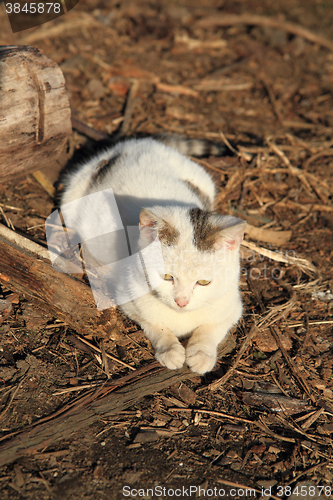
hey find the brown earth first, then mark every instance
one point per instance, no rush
(269, 421)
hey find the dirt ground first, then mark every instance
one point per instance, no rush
(264, 417)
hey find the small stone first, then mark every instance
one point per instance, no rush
(146, 437)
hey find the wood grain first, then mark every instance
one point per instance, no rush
(68, 298)
(34, 115)
(105, 401)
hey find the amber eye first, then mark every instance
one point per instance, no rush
(168, 277)
(203, 282)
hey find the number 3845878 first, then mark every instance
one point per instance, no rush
(33, 8)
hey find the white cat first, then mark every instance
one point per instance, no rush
(170, 199)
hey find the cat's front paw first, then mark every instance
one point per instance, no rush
(173, 358)
(199, 361)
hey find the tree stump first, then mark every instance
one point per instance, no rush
(35, 117)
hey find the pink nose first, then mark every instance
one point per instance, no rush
(181, 302)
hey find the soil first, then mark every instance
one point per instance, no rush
(264, 417)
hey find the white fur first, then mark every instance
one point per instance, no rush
(148, 173)
(151, 175)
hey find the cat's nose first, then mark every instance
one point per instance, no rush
(181, 302)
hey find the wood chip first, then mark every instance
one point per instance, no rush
(277, 238)
(176, 89)
(275, 402)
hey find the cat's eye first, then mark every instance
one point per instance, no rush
(168, 277)
(203, 282)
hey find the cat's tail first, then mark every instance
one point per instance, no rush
(192, 147)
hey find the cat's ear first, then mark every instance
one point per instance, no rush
(151, 225)
(230, 237)
(147, 225)
(147, 218)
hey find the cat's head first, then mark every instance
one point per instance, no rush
(200, 252)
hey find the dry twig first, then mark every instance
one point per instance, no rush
(125, 126)
(291, 364)
(88, 131)
(304, 264)
(247, 342)
(251, 19)
(108, 400)
(12, 398)
(105, 355)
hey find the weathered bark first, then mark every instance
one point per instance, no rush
(105, 401)
(68, 298)
(34, 113)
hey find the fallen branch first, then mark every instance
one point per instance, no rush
(74, 21)
(304, 264)
(305, 207)
(250, 19)
(220, 415)
(302, 175)
(90, 132)
(96, 351)
(125, 126)
(293, 367)
(25, 268)
(247, 342)
(268, 235)
(104, 402)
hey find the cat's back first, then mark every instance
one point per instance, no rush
(141, 168)
(146, 166)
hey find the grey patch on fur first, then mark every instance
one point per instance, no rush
(200, 194)
(168, 234)
(204, 233)
(207, 225)
(103, 167)
(191, 147)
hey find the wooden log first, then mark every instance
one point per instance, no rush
(35, 117)
(107, 400)
(25, 269)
